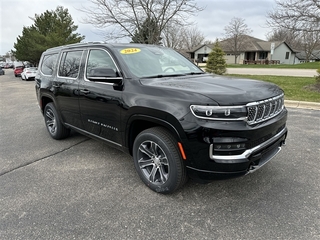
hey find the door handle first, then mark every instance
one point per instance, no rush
(85, 91)
(56, 84)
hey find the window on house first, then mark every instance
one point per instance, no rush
(263, 55)
(287, 55)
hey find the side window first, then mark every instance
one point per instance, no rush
(49, 64)
(70, 64)
(98, 59)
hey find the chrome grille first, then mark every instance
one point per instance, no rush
(264, 110)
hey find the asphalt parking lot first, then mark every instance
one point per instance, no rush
(79, 188)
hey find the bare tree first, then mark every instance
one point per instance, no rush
(292, 38)
(310, 42)
(302, 18)
(172, 37)
(236, 33)
(182, 37)
(124, 17)
(296, 15)
(192, 37)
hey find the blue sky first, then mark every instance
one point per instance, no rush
(14, 14)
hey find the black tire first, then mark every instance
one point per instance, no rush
(54, 126)
(156, 151)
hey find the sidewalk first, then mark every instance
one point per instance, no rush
(301, 104)
(274, 71)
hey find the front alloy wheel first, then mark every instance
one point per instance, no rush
(158, 161)
(153, 162)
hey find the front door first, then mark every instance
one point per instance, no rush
(100, 103)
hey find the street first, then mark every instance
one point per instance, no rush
(79, 188)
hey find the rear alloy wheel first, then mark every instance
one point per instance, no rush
(54, 126)
(158, 161)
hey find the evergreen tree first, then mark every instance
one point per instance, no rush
(318, 78)
(148, 33)
(216, 62)
(50, 29)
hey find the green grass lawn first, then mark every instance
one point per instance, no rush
(295, 88)
(311, 65)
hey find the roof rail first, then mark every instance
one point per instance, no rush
(76, 44)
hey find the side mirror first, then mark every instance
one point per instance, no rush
(104, 75)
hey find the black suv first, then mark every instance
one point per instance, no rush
(151, 102)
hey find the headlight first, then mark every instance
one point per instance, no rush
(229, 113)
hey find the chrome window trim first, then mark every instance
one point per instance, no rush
(60, 58)
(45, 55)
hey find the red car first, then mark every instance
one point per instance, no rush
(18, 70)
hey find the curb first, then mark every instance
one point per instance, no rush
(301, 104)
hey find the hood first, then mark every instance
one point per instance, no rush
(224, 90)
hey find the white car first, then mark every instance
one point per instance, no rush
(29, 73)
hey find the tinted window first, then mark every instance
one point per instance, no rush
(99, 59)
(70, 64)
(48, 64)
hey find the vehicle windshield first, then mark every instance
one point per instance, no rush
(154, 61)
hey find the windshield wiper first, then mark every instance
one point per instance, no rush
(194, 73)
(166, 75)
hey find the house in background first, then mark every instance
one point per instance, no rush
(301, 57)
(255, 51)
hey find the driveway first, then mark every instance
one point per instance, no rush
(79, 188)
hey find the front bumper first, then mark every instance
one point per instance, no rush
(260, 144)
(245, 163)
(244, 157)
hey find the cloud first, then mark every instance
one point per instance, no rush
(217, 14)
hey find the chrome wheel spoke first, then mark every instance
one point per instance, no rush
(152, 176)
(153, 162)
(143, 163)
(145, 150)
(163, 174)
(51, 121)
(164, 161)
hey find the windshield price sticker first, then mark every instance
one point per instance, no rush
(130, 50)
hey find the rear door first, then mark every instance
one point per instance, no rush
(65, 86)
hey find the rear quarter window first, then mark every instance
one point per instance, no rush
(49, 64)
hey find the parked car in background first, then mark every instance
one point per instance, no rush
(29, 73)
(1, 71)
(17, 71)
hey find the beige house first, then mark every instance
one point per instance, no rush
(255, 51)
